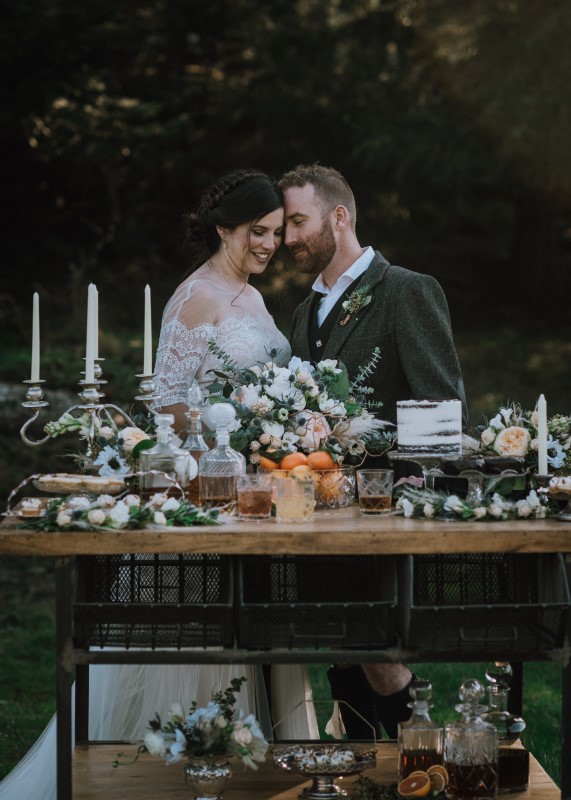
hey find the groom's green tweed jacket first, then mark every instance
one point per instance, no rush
(408, 320)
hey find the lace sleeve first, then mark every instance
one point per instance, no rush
(180, 353)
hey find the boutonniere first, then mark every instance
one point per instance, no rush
(355, 302)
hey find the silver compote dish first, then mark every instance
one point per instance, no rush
(323, 764)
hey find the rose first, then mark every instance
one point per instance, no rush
(119, 515)
(96, 517)
(63, 519)
(480, 512)
(159, 518)
(130, 437)
(132, 500)
(523, 508)
(105, 432)
(513, 441)
(171, 504)
(242, 735)
(312, 429)
(428, 510)
(488, 436)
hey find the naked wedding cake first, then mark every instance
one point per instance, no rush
(429, 427)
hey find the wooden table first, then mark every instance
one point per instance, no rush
(340, 532)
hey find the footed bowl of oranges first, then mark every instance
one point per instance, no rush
(334, 483)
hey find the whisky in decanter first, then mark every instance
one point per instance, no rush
(471, 749)
(219, 468)
(164, 463)
(420, 740)
(194, 443)
(513, 764)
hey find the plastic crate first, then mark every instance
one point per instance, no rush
(152, 601)
(484, 604)
(295, 602)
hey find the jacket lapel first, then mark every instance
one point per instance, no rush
(372, 277)
(303, 349)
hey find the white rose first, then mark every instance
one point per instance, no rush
(159, 518)
(495, 510)
(106, 432)
(155, 744)
(171, 504)
(119, 515)
(132, 500)
(63, 519)
(512, 441)
(242, 735)
(428, 510)
(480, 512)
(535, 418)
(488, 436)
(130, 437)
(265, 438)
(157, 500)
(96, 516)
(106, 501)
(254, 446)
(523, 508)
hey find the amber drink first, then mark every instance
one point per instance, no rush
(254, 496)
(375, 489)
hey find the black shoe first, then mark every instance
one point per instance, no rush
(394, 708)
(351, 686)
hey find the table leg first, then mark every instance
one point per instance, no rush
(64, 668)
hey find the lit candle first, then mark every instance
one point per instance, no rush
(95, 322)
(35, 373)
(542, 436)
(148, 341)
(89, 340)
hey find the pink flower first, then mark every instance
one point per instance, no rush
(513, 441)
(312, 429)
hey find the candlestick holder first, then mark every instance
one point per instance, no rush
(35, 401)
(147, 390)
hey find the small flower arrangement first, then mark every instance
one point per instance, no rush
(300, 407)
(355, 302)
(213, 730)
(104, 512)
(111, 450)
(431, 504)
(513, 432)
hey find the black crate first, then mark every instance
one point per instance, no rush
(484, 604)
(318, 602)
(155, 601)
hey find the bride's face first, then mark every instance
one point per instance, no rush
(250, 246)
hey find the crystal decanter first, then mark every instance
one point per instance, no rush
(420, 740)
(219, 467)
(194, 443)
(513, 764)
(164, 463)
(471, 749)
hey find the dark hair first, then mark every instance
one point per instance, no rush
(235, 199)
(331, 188)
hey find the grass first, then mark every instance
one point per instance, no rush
(541, 702)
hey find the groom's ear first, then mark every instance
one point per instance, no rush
(342, 218)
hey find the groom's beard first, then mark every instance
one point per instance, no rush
(316, 253)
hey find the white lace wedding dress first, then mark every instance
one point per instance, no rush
(123, 698)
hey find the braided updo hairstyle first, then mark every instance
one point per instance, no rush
(241, 197)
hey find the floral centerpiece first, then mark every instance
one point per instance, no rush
(212, 730)
(111, 450)
(513, 432)
(301, 407)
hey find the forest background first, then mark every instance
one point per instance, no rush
(450, 120)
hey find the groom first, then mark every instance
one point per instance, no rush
(406, 316)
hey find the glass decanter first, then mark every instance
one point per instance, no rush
(471, 749)
(194, 443)
(164, 461)
(513, 764)
(420, 740)
(219, 467)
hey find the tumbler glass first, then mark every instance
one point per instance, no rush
(375, 489)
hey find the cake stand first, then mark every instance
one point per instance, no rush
(296, 759)
(427, 462)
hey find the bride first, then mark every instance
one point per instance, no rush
(233, 234)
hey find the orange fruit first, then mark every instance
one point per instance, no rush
(417, 785)
(267, 463)
(437, 782)
(320, 459)
(293, 460)
(439, 770)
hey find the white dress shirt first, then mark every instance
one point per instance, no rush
(331, 296)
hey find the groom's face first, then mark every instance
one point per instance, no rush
(308, 230)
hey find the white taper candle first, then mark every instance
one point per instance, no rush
(95, 322)
(35, 372)
(542, 436)
(89, 338)
(148, 340)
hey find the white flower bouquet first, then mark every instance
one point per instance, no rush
(301, 407)
(513, 432)
(213, 730)
(111, 450)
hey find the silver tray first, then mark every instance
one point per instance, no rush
(323, 774)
